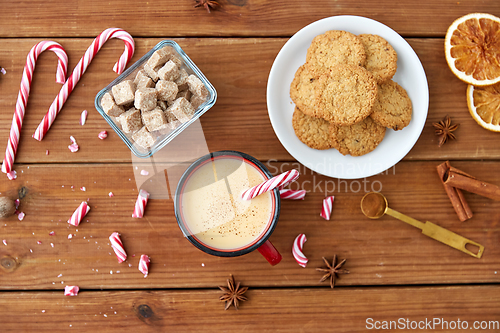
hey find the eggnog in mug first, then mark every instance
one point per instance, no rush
(212, 210)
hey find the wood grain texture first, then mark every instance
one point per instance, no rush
(238, 68)
(378, 252)
(236, 18)
(267, 310)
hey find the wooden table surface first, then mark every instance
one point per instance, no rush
(396, 274)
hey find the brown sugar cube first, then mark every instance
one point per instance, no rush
(175, 59)
(182, 80)
(170, 116)
(169, 71)
(145, 99)
(109, 106)
(143, 138)
(131, 120)
(123, 92)
(182, 109)
(145, 82)
(151, 72)
(185, 93)
(162, 104)
(140, 74)
(159, 58)
(167, 90)
(196, 101)
(154, 119)
(196, 86)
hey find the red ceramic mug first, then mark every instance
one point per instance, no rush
(214, 219)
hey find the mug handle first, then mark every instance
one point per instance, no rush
(270, 253)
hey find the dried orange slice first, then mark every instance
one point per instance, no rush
(472, 48)
(484, 105)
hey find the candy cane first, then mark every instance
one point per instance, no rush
(140, 204)
(80, 69)
(276, 182)
(326, 211)
(79, 214)
(24, 91)
(298, 244)
(292, 195)
(144, 265)
(117, 245)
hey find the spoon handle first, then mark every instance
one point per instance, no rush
(452, 239)
(404, 218)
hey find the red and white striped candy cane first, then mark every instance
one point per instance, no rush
(80, 69)
(79, 214)
(298, 244)
(144, 265)
(140, 204)
(292, 195)
(279, 181)
(24, 91)
(117, 245)
(326, 211)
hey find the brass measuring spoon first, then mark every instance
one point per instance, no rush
(374, 205)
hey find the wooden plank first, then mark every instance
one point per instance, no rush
(379, 252)
(435, 309)
(240, 112)
(237, 17)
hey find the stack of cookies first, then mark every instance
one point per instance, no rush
(344, 94)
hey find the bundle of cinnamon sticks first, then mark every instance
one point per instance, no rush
(455, 180)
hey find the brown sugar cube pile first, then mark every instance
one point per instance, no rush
(346, 86)
(159, 99)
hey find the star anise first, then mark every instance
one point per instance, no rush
(332, 270)
(233, 294)
(444, 130)
(207, 4)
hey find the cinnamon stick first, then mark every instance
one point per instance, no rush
(456, 196)
(468, 184)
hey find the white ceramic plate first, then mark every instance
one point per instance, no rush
(396, 144)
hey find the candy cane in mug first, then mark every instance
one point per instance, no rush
(80, 69)
(24, 91)
(276, 182)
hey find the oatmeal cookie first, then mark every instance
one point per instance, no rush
(302, 90)
(345, 95)
(358, 139)
(314, 132)
(332, 48)
(381, 58)
(393, 107)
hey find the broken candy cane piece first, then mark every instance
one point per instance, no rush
(83, 117)
(140, 204)
(79, 214)
(327, 208)
(292, 195)
(71, 290)
(21, 216)
(144, 265)
(12, 175)
(102, 135)
(117, 245)
(298, 244)
(74, 146)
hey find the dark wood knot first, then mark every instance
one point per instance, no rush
(22, 192)
(8, 264)
(145, 311)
